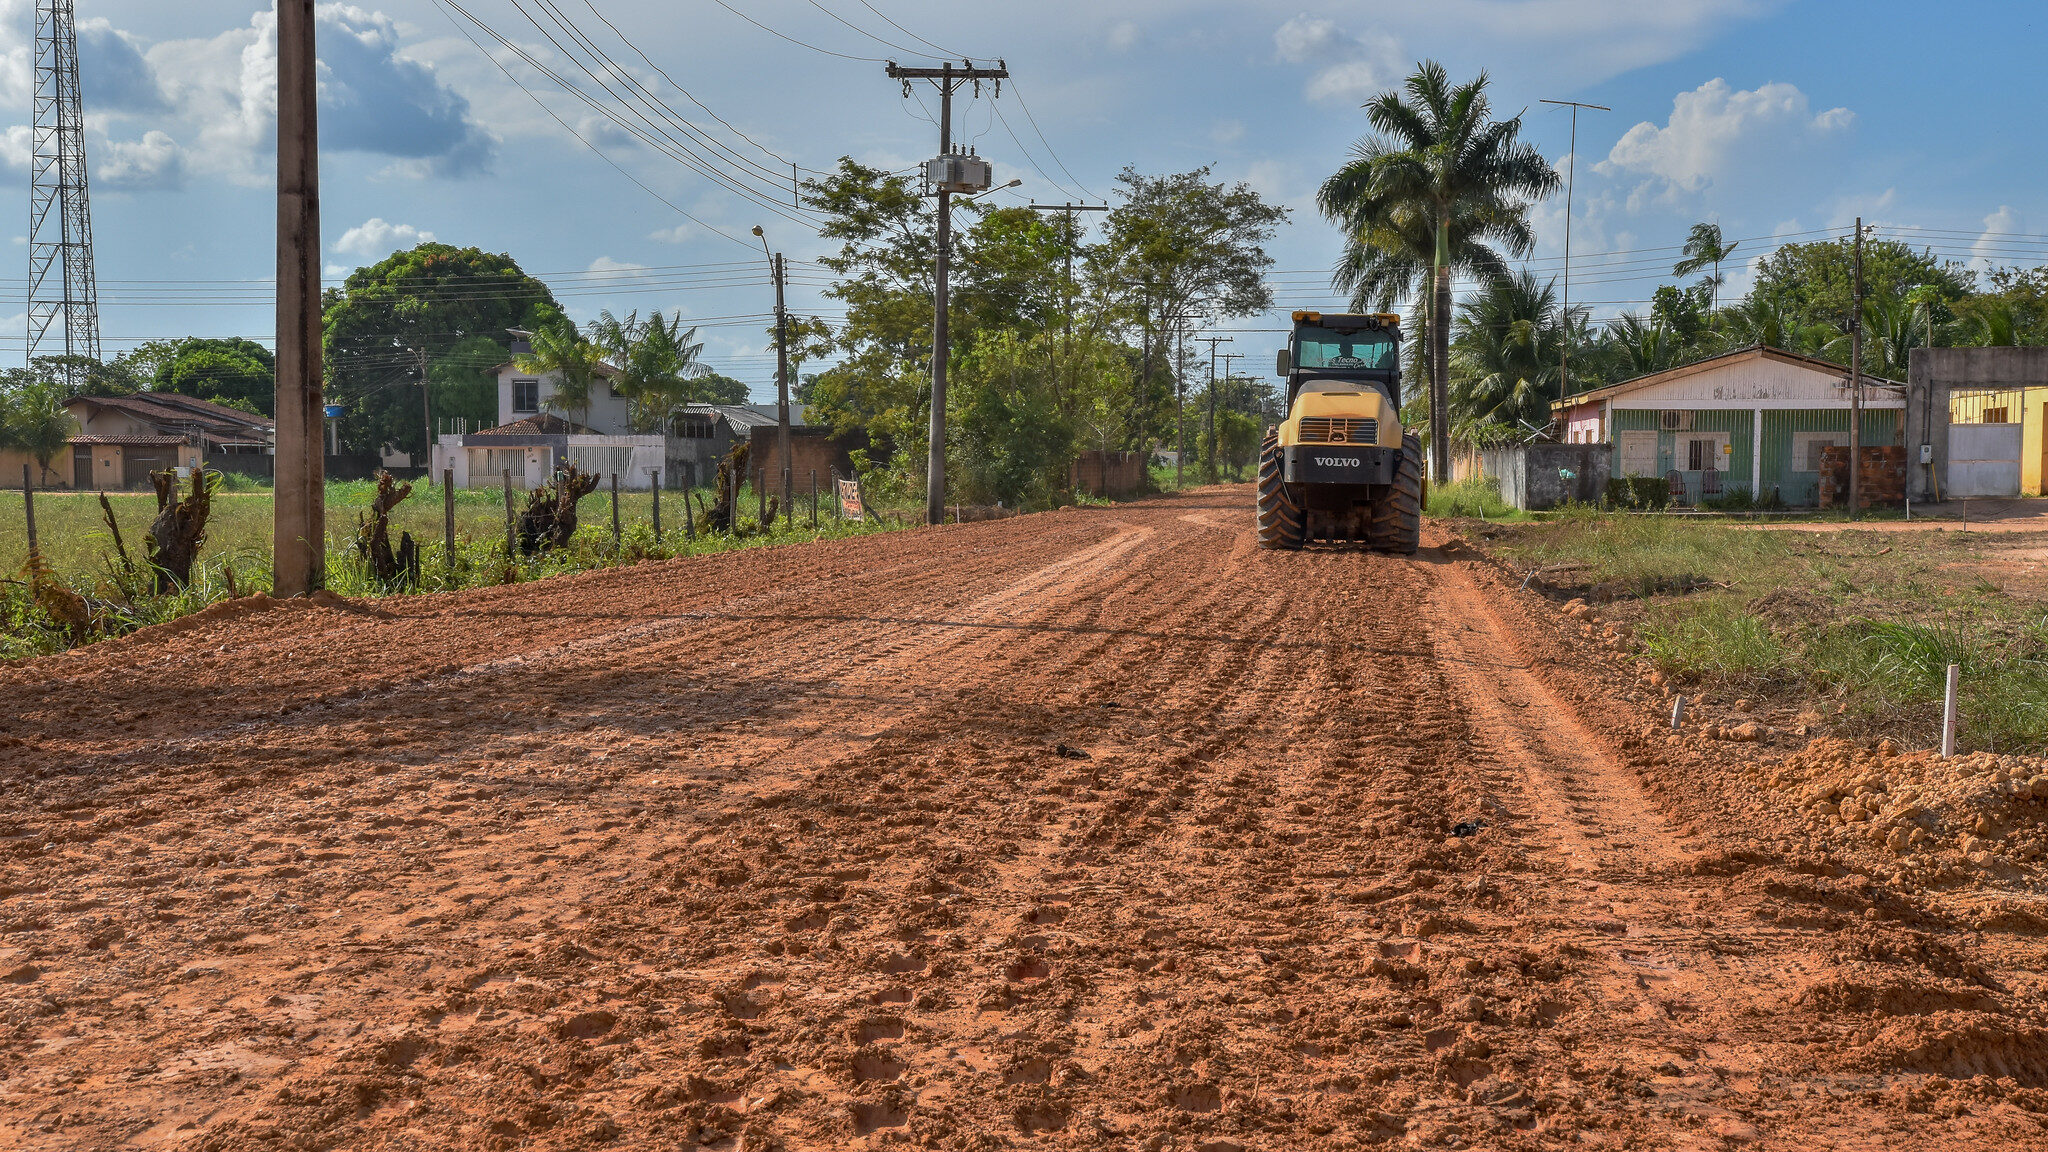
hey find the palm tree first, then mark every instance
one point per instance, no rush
(1504, 354)
(34, 420)
(1634, 346)
(655, 358)
(1389, 258)
(1704, 249)
(559, 347)
(1893, 326)
(1434, 158)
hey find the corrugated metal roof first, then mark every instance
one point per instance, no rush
(1754, 352)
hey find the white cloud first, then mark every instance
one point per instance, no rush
(377, 238)
(675, 235)
(1716, 128)
(1123, 36)
(153, 162)
(623, 272)
(1349, 69)
(1227, 132)
(1994, 248)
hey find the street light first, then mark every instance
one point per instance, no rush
(997, 188)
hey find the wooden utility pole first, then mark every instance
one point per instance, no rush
(299, 516)
(1067, 242)
(782, 449)
(1856, 383)
(1564, 314)
(949, 80)
(1209, 469)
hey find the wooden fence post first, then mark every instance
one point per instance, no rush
(654, 486)
(448, 515)
(28, 508)
(689, 516)
(761, 494)
(511, 538)
(814, 499)
(615, 514)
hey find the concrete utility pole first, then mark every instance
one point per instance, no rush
(1209, 468)
(1856, 384)
(299, 517)
(426, 411)
(948, 80)
(1067, 285)
(782, 450)
(1564, 315)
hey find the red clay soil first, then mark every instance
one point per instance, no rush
(1091, 829)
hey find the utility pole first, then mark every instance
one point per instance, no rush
(1209, 468)
(1227, 377)
(1180, 394)
(949, 80)
(777, 270)
(1564, 342)
(426, 410)
(1067, 285)
(299, 518)
(1856, 384)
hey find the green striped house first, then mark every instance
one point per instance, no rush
(1756, 418)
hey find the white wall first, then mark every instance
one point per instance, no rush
(608, 410)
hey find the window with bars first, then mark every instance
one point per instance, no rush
(1995, 416)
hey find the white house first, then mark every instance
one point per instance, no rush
(1757, 417)
(524, 394)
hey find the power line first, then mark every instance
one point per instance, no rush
(1050, 150)
(542, 105)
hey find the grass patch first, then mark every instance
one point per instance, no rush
(1857, 625)
(236, 560)
(1472, 498)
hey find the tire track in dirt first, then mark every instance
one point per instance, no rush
(799, 867)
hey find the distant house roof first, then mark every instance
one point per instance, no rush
(131, 441)
(737, 415)
(182, 417)
(544, 424)
(1725, 359)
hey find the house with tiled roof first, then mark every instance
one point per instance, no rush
(122, 439)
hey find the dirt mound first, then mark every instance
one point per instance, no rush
(1980, 811)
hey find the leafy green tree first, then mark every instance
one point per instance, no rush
(1438, 155)
(221, 370)
(1705, 249)
(1180, 247)
(1686, 313)
(433, 313)
(713, 388)
(1505, 354)
(33, 418)
(559, 347)
(1814, 283)
(2013, 311)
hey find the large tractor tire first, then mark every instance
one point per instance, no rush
(1283, 524)
(1397, 516)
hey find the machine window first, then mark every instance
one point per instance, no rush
(1323, 348)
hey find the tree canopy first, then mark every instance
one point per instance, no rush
(433, 310)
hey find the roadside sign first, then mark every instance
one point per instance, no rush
(334, 411)
(849, 499)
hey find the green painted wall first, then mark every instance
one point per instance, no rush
(1798, 486)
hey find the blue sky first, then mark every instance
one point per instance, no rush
(1778, 119)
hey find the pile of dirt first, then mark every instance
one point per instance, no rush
(1986, 811)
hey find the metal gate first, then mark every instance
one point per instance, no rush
(1983, 460)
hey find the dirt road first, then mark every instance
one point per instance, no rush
(1094, 829)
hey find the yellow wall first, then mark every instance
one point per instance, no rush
(2027, 407)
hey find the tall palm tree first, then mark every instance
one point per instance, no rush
(1437, 156)
(559, 347)
(1389, 259)
(1504, 354)
(1704, 249)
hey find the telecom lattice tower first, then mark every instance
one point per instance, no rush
(60, 276)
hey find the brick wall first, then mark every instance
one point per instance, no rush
(1883, 479)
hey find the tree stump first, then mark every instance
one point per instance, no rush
(723, 516)
(392, 570)
(550, 516)
(174, 539)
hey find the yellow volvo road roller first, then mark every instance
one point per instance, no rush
(1339, 469)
